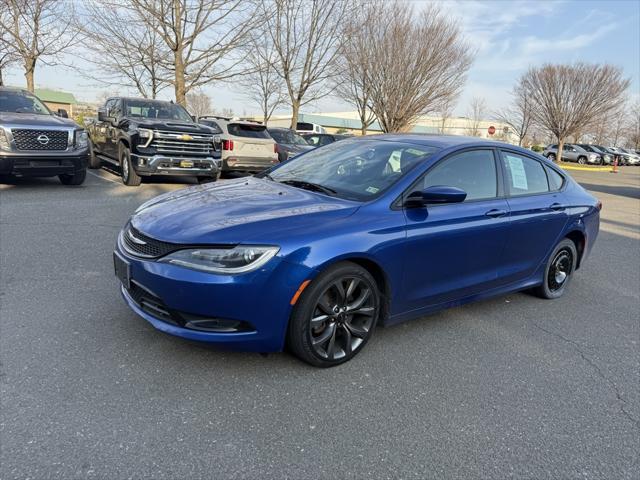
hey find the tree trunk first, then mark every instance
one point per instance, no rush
(1, 80)
(295, 110)
(560, 147)
(181, 94)
(29, 69)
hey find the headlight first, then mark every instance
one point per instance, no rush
(592, 156)
(241, 259)
(4, 141)
(145, 136)
(81, 139)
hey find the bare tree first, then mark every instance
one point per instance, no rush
(518, 116)
(203, 36)
(199, 103)
(36, 31)
(262, 83)
(445, 111)
(417, 62)
(306, 36)
(7, 59)
(123, 48)
(352, 82)
(569, 98)
(476, 113)
(634, 130)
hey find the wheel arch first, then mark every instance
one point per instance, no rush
(377, 272)
(579, 239)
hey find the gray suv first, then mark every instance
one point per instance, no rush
(35, 142)
(572, 153)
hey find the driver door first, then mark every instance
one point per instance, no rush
(455, 250)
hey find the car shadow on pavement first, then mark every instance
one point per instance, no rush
(629, 192)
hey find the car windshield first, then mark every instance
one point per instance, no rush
(22, 102)
(287, 136)
(157, 110)
(352, 169)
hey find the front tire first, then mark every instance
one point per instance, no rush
(335, 316)
(74, 179)
(129, 175)
(94, 161)
(559, 270)
(582, 160)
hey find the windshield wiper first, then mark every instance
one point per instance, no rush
(316, 187)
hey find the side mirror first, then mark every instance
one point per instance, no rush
(102, 115)
(62, 113)
(437, 194)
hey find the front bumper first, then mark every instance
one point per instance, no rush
(42, 165)
(259, 300)
(146, 165)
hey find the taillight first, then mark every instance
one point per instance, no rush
(599, 205)
(275, 148)
(227, 144)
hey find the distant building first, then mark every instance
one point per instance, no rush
(348, 122)
(55, 100)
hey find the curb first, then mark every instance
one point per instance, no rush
(585, 169)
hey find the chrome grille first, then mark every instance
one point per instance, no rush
(181, 143)
(28, 139)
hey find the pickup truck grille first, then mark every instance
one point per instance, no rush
(27, 139)
(182, 143)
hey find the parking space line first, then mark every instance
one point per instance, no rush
(103, 178)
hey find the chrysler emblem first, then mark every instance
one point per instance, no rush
(135, 239)
(43, 139)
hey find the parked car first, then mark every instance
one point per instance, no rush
(317, 251)
(289, 143)
(606, 158)
(572, 153)
(306, 127)
(614, 155)
(320, 139)
(246, 145)
(629, 156)
(145, 137)
(35, 142)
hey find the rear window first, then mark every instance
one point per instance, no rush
(304, 126)
(210, 123)
(250, 131)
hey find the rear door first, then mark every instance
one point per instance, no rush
(455, 250)
(251, 141)
(538, 213)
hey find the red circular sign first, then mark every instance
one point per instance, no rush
(492, 130)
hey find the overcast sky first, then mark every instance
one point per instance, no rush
(509, 37)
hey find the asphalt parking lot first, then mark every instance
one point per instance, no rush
(511, 387)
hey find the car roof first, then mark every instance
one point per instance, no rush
(439, 141)
(15, 89)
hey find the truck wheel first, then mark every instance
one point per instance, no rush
(94, 162)
(209, 179)
(129, 175)
(75, 179)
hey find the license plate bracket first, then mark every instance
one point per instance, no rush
(122, 270)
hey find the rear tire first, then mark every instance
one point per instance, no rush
(94, 162)
(558, 271)
(74, 179)
(322, 331)
(129, 175)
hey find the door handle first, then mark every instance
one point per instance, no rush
(495, 213)
(557, 206)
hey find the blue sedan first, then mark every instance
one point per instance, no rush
(316, 252)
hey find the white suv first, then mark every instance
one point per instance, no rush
(246, 146)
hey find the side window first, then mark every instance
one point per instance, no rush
(109, 106)
(555, 179)
(473, 171)
(116, 109)
(525, 176)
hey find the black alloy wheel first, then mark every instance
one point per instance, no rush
(559, 270)
(335, 316)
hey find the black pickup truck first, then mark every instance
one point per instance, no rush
(35, 142)
(151, 137)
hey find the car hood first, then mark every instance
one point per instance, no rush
(32, 120)
(236, 211)
(172, 125)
